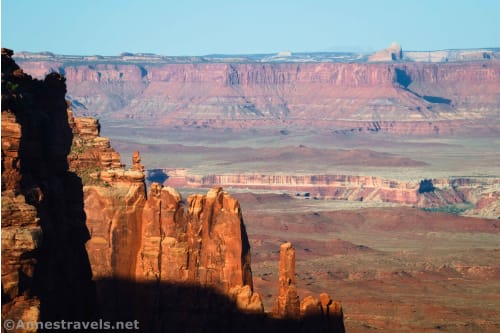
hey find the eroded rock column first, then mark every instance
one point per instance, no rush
(287, 304)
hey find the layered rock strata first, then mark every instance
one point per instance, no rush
(446, 191)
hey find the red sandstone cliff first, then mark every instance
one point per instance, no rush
(409, 98)
(151, 237)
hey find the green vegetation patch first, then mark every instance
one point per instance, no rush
(457, 209)
(87, 179)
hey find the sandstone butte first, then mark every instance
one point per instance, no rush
(401, 97)
(393, 52)
(82, 240)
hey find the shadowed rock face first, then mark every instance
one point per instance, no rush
(45, 269)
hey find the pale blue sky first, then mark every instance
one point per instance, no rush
(189, 27)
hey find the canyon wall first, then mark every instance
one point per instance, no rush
(344, 187)
(479, 192)
(401, 97)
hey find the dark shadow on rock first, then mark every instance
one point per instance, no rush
(402, 78)
(61, 277)
(246, 255)
(156, 176)
(168, 307)
(437, 99)
(405, 80)
(426, 186)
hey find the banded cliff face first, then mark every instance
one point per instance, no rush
(481, 192)
(410, 98)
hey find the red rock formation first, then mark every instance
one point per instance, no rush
(90, 151)
(287, 303)
(219, 252)
(114, 199)
(114, 219)
(151, 238)
(139, 237)
(246, 299)
(207, 245)
(136, 162)
(328, 313)
(163, 253)
(406, 98)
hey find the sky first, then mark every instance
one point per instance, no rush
(189, 27)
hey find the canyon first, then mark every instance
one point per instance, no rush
(82, 240)
(374, 180)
